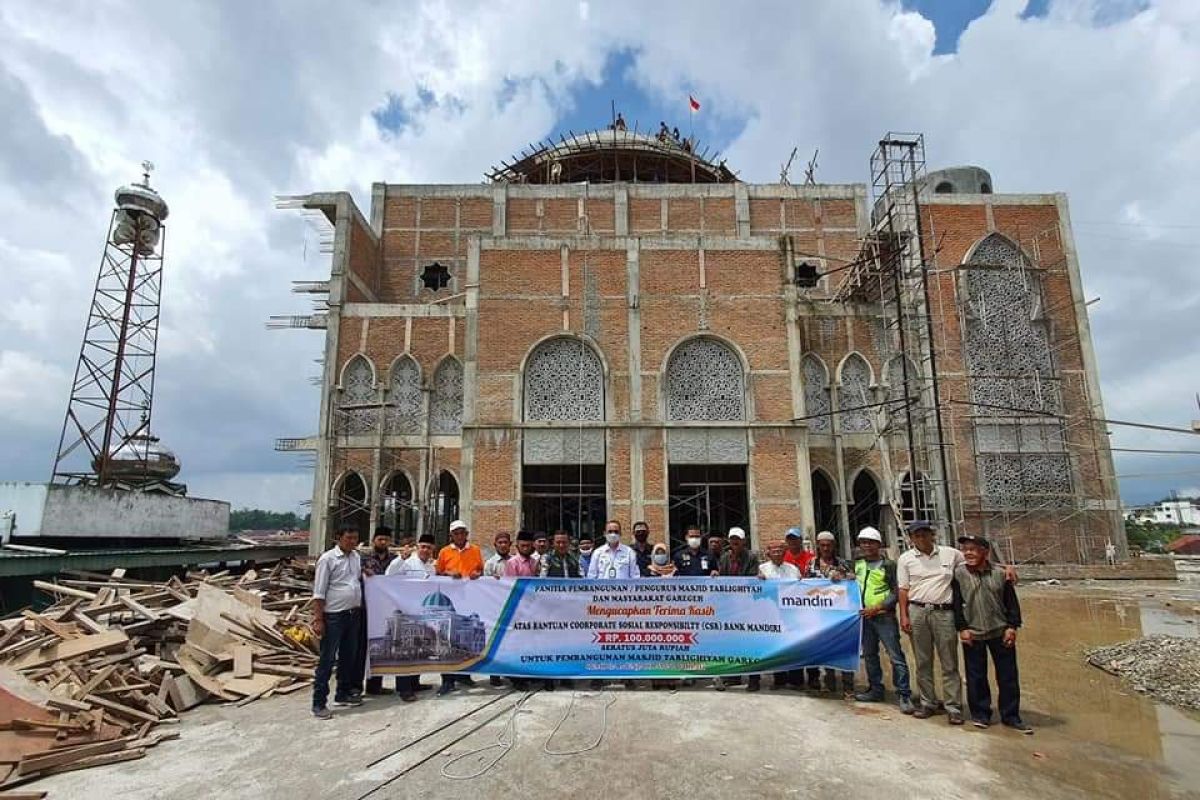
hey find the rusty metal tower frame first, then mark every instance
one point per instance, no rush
(112, 393)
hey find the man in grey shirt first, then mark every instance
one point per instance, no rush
(337, 597)
(987, 616)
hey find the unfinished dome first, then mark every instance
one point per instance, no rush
(610, 156)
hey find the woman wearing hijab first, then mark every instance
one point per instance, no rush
(661, 565)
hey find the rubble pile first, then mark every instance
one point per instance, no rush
(100, 675)
(1165, 667)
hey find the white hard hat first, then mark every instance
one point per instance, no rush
(826, 536)
(870, 533)
(458, 523)
(737, 533)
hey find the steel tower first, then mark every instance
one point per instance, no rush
(106, 437)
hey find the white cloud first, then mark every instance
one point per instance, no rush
(236, 102)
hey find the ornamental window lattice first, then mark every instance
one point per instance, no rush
(1021, 459)
(564, 381)
(404, 397)
(446, 401)
(854, 395)
(893, 376)
(705, 382)
(817, 402)
(358, 406)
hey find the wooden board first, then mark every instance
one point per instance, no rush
(184, 693)
(64, 651)
(242, 659)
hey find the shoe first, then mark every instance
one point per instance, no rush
(979, 722)
(754, 684)
(868, 697)
(907, 707)
(445, 689)
(955, 718)
(465, 680)
(1019, 727)
(322, 713)
(408, 697)
(718, 685)
(352, 700)
(423, 687)
(495, 680)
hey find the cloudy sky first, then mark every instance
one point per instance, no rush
(237, 102)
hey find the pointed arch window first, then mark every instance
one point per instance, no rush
(404, 397)
(1015, 391)
(446, 402)
(854, 396)
(358, 403)
(818, 404)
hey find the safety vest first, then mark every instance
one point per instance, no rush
(872, 583)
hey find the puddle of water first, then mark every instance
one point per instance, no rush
(1095, 732)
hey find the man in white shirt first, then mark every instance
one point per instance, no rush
(923, 575)
(775, 568)
(337, 598)
(494, 566)
(421, 564)
(614, 560)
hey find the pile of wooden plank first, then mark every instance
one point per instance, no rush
(91, 679)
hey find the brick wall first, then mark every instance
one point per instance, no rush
(713, 285)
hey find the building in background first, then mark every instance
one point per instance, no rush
(615, 326)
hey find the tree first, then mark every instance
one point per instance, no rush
(253, 519)
(1150, 537)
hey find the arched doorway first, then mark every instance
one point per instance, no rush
(825, 513)
(396, 507)
(444, 507)
(864, 506)
(350, 506)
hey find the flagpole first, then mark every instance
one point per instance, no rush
(692, 136)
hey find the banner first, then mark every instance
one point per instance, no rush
(578, 628)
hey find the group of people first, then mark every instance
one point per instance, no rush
(943, 598)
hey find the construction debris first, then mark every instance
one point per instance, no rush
(1165, 667)
(88, 680)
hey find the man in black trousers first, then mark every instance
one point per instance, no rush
(987, 616)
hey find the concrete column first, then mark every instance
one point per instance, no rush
(741, 206)
(621, 211)
(637, 491)
(466, 471)
(1112, 499)
(500, 212)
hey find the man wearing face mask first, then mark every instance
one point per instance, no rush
(614, 560)
(690, 560)
(641, 547)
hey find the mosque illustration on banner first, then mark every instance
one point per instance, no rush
(437, 633)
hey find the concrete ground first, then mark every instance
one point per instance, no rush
(1095, 738)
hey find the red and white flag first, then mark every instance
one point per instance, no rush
(693, 103)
